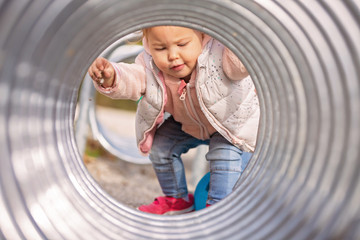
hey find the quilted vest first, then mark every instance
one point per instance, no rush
(231, 107)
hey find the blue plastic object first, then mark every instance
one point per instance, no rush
(201, 192)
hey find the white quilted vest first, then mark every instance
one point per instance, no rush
(231, 107)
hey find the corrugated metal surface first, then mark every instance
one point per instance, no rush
(303, 182)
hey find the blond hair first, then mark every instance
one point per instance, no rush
(145, 32)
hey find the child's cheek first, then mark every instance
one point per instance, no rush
(160, 64)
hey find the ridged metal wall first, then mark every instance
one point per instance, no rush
(303, 181)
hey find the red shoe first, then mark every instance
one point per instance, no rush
(169, 206)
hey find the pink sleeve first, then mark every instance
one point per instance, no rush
(129, 80)
(232, 66)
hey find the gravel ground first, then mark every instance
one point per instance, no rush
(130, 184)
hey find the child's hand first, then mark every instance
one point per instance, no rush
(102, 72)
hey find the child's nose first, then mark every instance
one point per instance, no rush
(173, 54)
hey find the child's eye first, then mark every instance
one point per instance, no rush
(182, 44)
(160, 48)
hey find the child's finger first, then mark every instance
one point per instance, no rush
(93, 70)
(108, 72)
(91, 73)
(98, 69)
(95, 73)
(101, 63)
(98, 74)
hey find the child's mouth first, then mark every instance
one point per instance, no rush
(178, 67)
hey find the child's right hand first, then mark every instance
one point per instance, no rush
(102, 72)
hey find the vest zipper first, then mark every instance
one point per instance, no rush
(198, 122)
(183, 94)
(204, 129)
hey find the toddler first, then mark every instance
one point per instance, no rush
(211, 100)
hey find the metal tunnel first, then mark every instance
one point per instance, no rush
(303, 181)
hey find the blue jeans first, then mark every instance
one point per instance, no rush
(170, 142)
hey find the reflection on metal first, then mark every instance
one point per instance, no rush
(120, 146)
(303, 181)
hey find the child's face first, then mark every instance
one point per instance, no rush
(175, 49)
